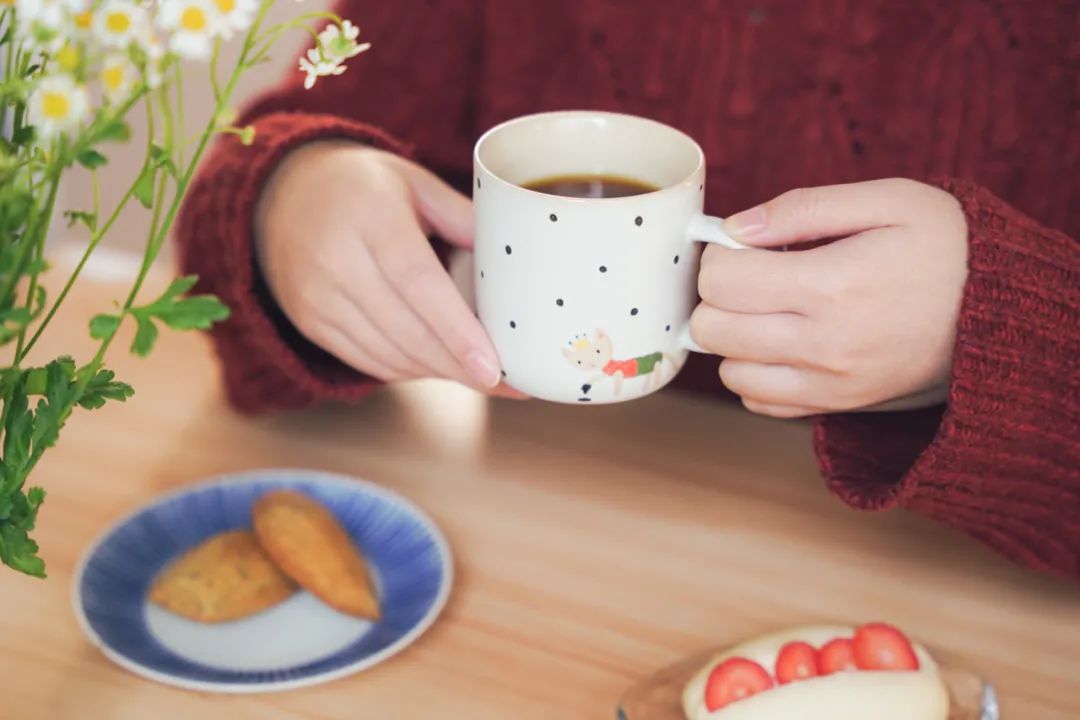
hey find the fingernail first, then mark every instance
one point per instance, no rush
(747, 222)
(481, 369)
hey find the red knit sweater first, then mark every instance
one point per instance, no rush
(978, 95)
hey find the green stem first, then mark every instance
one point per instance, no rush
(95, 239)
(9, 64)
(181, 141)
(95, 186)
(214, 71)
(41, 225)
(100, 232)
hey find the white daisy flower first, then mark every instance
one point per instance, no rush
(338, 43)
(57, 105)
(118, 77)
(50, 14)
(316, 67)
(238, 14)
(42, 23)
(82, 23)
(193, 25)
(118, 23)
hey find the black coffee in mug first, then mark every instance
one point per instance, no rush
(591, 186)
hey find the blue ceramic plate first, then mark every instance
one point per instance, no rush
(297, 643)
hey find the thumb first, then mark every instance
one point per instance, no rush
(441, 207)
(829, 211)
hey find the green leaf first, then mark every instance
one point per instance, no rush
(115, 129)
(24, 135)
(145, 336)
(144, 185)
(177, 287)
(60, 393)
(103, 388)
(17, 429)
(88, 219)
(160, 157)
(91, 159)
(19, 552)
(194, 313)
(103, 326)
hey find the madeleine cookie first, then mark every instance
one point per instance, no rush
(308, 544)
(227, 577)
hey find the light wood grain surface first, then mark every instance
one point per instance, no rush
(592, 546)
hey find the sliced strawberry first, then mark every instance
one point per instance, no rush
(882, 647)
(735, 679)
(836, 656)
(796, 661)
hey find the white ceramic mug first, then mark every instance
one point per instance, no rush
(589, 299)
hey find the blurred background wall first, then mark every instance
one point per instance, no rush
(129, 232)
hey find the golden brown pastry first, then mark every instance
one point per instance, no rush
(227, 577)
(309, 546)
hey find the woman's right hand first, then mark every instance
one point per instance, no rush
(341, 238)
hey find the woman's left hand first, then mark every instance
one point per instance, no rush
(865, 322)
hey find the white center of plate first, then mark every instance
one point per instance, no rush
(296, 632)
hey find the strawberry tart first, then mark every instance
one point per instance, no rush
(820, 673)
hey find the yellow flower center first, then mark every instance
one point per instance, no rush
(225, 6)
(82, 20)
(117, 22)
(193, 19)
(55, 106)
(68, 58)
(113, 77)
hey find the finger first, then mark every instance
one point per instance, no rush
(375, 297)
(449, 213)
(754, 281)
(409, 263)
(505, 391)
(828, 211)
(771, 338)
(769, 384)
(780, 411)
(341, 346)
(365, 337)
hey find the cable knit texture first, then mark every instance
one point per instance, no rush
(781, 94)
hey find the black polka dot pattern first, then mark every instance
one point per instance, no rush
(638, 220)
(477, 183)
(633, 311)
(667, 328)
(509, 250)
(603, 268)
(481, 274)
(553, 217)
(559, 302)
(676, 260)
(513, 325)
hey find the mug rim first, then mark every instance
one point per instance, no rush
(556, 114)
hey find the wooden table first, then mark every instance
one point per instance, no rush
(592, 547)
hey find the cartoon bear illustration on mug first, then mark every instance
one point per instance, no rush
(596, 354)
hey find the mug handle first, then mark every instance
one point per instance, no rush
(706, 229)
